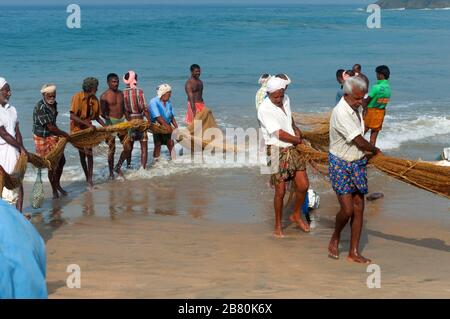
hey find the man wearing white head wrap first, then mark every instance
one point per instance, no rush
(281, 135)
(275, 84)
(2, 83)
(161, 112)
(46, 134)
(10, 143)
(163, 89)
(284, 77)
(261, 94)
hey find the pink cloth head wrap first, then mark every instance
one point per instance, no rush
(131, 79)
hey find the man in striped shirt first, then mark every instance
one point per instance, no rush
(135, 108)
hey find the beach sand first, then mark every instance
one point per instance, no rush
(208, 235)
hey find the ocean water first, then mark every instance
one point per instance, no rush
(234, 45)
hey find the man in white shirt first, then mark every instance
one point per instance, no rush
(347, 165)
(281, 136)
(10, 143)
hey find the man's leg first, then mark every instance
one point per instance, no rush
(51, 178)
(83, 163)
(112, 150)
(342, 217)
(301, 187)
(280, 190)
(129, 154)
(157, 150)
(356, 225)
(58, 174)
(170, 145)
(19, 204)
(144, 153)
(90, 163)
(373, 137)
(127, 146)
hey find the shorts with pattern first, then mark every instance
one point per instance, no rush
(288, 164)
(347, 177)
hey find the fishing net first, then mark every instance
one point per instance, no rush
(315, 131)
(37, 194)
(195, 139)
(428, 176)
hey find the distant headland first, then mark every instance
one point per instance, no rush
(414, 4)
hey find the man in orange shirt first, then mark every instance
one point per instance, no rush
(85, 107)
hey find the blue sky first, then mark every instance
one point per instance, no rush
(187, 2)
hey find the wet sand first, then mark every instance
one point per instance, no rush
(208, 235)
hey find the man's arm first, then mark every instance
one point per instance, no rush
(174, 122)
(100, 121)
(288, 138)
(365, 146)
(56, 131)
(163, 122)
(104, 107)
(19, 135)
(366, 102)
(147, 115)
(8, 138)
(373, 92)
(297, 131)
(76, 119)
(190, 94)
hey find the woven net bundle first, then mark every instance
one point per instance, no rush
(13, 180)
(87, 138)
(90, 138)
(190, 139)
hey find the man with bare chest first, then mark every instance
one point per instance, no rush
(112, 105)
(194, 92)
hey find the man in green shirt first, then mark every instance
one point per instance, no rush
(376, 102)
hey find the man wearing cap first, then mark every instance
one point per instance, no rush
(281, 136)
(46, 134)
(11, 143)
(161, 112)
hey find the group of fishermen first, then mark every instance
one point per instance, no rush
(113, 107)
(357, 110)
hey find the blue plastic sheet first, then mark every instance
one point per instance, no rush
(22, 257)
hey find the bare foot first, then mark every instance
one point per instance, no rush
(90, 186)
(357, 258)
(300, 223)
(62, 191)
(278, 233)
(111, 177)
(333, 248)
(119, 171)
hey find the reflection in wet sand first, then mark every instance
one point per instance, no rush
(88, 206)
